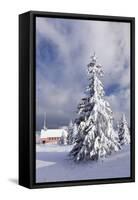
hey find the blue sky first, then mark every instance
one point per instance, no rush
(63, 50)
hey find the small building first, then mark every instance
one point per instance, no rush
(53, 136)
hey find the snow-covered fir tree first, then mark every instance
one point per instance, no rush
(123, 131)
(95, 134)
(70, 133)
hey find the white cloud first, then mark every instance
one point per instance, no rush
(110, 40)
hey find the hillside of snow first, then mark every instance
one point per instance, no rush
(53, 164)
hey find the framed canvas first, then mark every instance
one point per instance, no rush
(76, 99)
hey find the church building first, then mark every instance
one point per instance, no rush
(52, 136)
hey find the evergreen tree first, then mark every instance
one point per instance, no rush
(95, 135)
(123, 131)
(63, 139)
(70, 133)
(75, 131)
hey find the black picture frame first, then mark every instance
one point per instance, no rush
(27, 102)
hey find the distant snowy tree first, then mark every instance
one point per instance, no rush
(63, 139)
(64, 128)
(75, 131)
(123, 131)
(95, 136)
(70, 133)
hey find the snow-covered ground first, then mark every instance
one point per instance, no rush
(53, 164)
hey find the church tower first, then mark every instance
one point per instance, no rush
(44, 126)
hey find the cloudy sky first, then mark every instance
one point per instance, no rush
(63, 49)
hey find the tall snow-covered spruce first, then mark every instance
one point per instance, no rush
(123, 131)
(96, 137)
